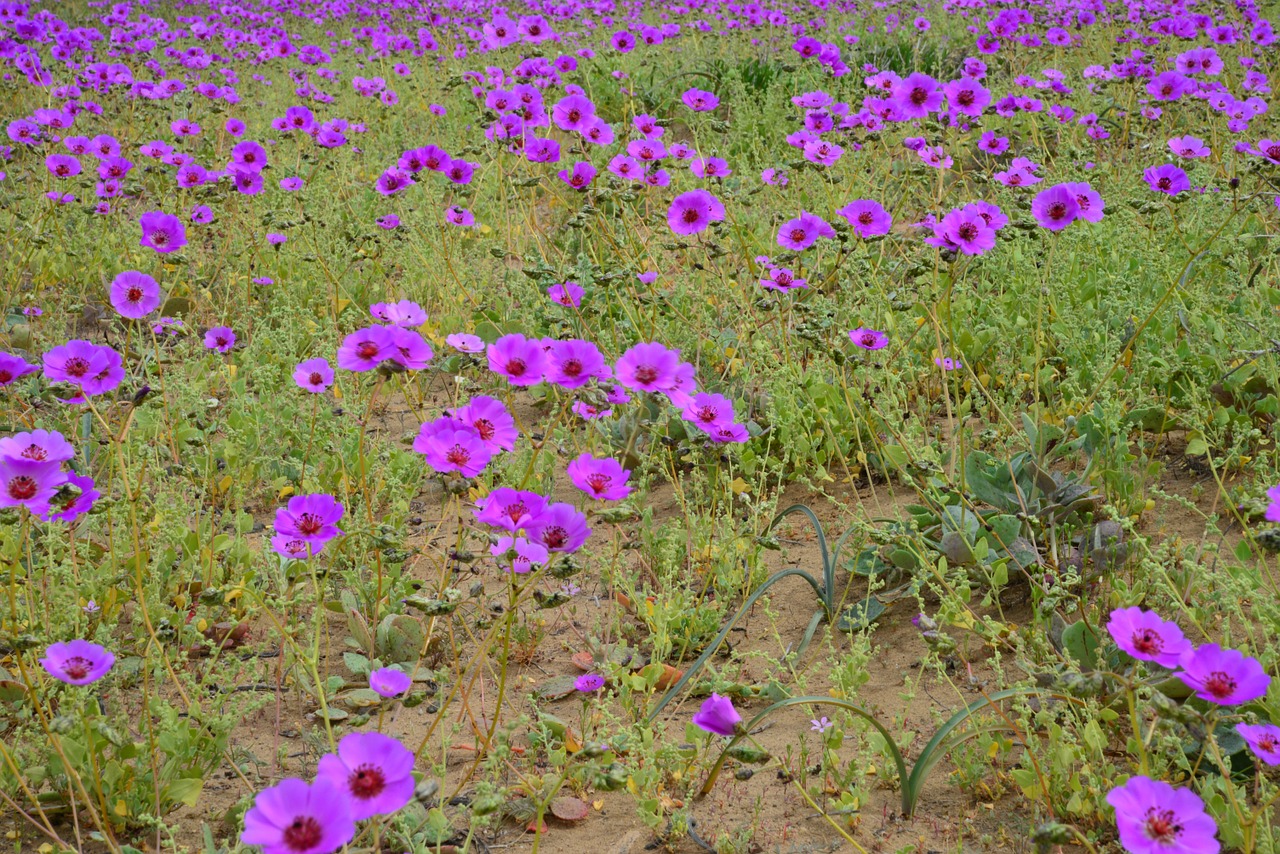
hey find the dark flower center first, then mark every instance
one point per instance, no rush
(572, 367)
(968, 231)
(457, 455)
(1057, 210)
(77, 667)
(77, 366)
(159, 238)
(310, 524)
(1274, 151)
(1220, 684)
(1148, 642)
(708, 414)
(574, 115)
(516, 511)
(690, 215)
(1161, 827)
(1015, 179)
(34, 452)
(919, 95)
(6, 376)
(598, 482)
(366, 349)
(646, 374)
(485, 428)
(798, 235)
(554, 537)
(1268, 744)
(868, 339)
(134, 294)
(516, 367)
(965, 98)
(1164, 183)
(865, 218)
(22, 488)
(315, 378)
(303, 834)
(1166, 89)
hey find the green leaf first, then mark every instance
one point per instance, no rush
(184, 791)
(860, 615)
(1081, 643)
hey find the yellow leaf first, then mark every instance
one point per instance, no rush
(337, 393)
(202, 624)
(343, 303)
(739, 486)
(285, 492)
(225, 483)
(597, 805)
(231, 369)
(121, 808)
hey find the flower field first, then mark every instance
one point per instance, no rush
(612, 427)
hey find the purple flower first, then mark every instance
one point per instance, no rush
(1263, 739)
(77, 662)
(1055, 208)
(365, 349)
(868, 339)
(220, 338)
(947, 363)
(29, 483)
(248, 156)
(134, 294)
(62, 165)
(588, 683)
(290, 185)
(568, 294)
(708, 412)
(1145, 636)
(312, 518)
(406, 313)
(699, 100)
(375, 770)
(647, 367)
(393, 181)
(572, 111)
(1167, 178)
(39, 445)
(573, 363)
(14, 368)
(1189, 147)
(465, 342)
(803, 231)
(692, 212)
(162, 232)
(389, 682)
(313, 375)
(409, 349)
(559, 527)
(93, 368)
(509, 509)
(517, 358)
(1226, 677)
(917, 95)
(603, 479)
(867, 217)
(292, 817)
(490, 418)
(388, 221)
(1087, 199)
(1155, 818)
(521, 555)
(450, 446)
(1273, 508)
(717, 716)
(69, 509)
(580, 176)
(966, 231)
(201, 215)
(461, 217)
